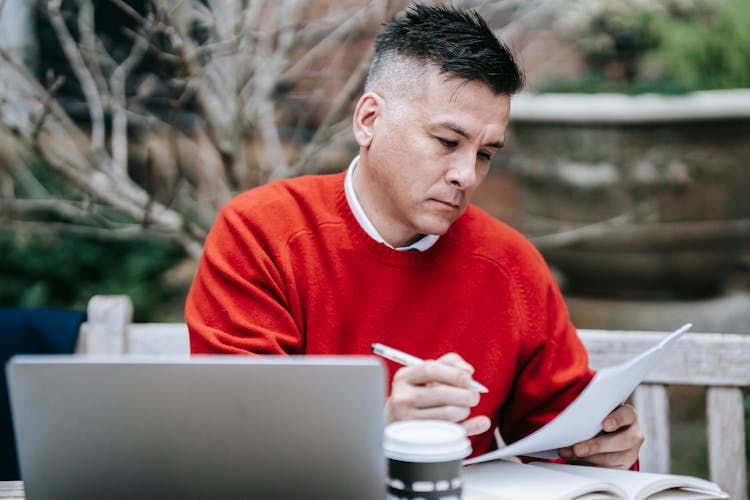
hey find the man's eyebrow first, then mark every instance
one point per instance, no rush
(460, 131)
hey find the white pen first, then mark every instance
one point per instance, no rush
(409, 360)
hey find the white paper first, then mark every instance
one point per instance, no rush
(583, 418)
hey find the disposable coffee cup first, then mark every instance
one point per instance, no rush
(424, 459)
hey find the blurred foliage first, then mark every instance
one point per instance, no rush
(65, 271)
(596, 82)
(707, 53)
(668, 46)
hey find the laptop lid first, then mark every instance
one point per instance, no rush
(204, 427)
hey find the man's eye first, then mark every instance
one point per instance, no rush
(447, 143)
(484, 155)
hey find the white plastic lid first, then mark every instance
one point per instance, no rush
(425, 441)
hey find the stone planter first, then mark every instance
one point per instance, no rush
(635, 195)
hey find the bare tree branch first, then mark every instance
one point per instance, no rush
(88, 46)
(271, 58)
(117, 81)
(86, 167)
(229, 116)
(570, 236)
(330, 41)
(82, 72)
(18, 172)
(336, 114)
(125, 7)
(41, 209)
(7, 189)
(46, 106)
(215, 104)
(124, 233)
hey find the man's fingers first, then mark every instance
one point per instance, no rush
(434, 395)
(453, 359)
(433, 371)
(617, 447)
(476, 425)
(610, 450)
(617, 460)
(436, 389)
(607, 443)
(450, 413)
(622, 416)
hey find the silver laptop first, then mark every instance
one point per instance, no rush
(203, 427)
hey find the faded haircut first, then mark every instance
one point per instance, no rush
(459, 43)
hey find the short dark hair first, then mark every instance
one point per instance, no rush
(459, 42)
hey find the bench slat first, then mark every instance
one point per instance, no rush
(652, 404)
(726, 440)
(107, 318)
(158, 339)
(710, 359)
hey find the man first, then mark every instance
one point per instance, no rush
(391, 251)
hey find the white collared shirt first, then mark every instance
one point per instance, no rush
(421, 245)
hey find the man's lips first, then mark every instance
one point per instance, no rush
(450, 204)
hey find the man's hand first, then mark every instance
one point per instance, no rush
(616, 447)
(436, 390)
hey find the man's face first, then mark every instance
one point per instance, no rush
(427, 155)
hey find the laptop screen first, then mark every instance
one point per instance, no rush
(202, 427)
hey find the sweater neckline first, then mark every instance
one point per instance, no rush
(380, 251)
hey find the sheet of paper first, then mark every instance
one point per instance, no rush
(582, 419)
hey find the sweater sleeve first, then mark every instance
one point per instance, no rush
(237, 303)
(552, 367)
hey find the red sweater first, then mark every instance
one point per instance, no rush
(288, 269)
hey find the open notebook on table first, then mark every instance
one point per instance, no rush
(504, 480)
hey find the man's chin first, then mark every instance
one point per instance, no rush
(436, 222)
(438, 228)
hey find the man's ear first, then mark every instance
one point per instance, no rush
(366, 112)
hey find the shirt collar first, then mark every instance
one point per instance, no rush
(424, 243)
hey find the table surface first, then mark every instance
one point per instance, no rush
(12, 490)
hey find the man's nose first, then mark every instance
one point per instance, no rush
(463, 171)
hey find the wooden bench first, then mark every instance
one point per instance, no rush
(719, 362)
(109, 330)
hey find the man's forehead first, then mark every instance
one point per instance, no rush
(491, 134)
(468, 110)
